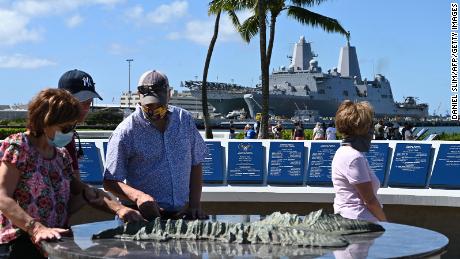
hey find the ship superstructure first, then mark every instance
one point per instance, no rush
(223, 97)
(303, 85)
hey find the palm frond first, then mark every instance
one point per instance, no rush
(305, 16)
(229, 5)
(275, 7)
(308, 3)
(249, 28)
(234, 18)
(238, 5)
(215, 6)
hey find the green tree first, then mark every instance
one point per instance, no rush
(105, 117)
(256, 24)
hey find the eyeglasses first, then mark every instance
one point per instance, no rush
(68, 128)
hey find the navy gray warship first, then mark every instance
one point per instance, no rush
(224, 97)
(303, 86)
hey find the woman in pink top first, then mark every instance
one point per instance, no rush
(355, 184)
(36, 180)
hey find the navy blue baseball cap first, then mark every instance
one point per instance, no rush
(80, 84)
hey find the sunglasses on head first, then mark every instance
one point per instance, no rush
(147, 89)
(68, 128)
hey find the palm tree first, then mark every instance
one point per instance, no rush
(257, 24)
(215, 7)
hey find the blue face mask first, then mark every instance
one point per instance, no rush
(61, 139)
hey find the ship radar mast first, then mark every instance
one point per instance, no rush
(301, 55)
(348, 61)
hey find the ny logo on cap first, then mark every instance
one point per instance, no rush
(87, 82)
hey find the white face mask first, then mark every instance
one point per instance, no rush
(61, 139)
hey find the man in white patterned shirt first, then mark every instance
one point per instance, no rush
(154, 156)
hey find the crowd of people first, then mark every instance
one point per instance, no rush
(393, 131)
(321, 131)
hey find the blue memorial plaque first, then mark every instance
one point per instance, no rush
(319, 169)
(378, 160)
(446, 172)
(245, 162)
(212, 164)
(90, 164)
(410, 165)
(286, 163)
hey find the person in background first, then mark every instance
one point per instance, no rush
(250, 132)
(355, 184)
(277, 130)
(298, 131)
(81, 85)
(388, 130)
(154, 156)
(245, 129)
(323, 125)
(318, 132)
(407, 132)
(396, 133)
(232, 133)
(379, 130)
(331, 132)
(257, 127)
(36, 178)
(393, 131)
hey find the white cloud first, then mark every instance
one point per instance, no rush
(13, 28)
(118, 49)
(74, 21)
(200, 31)
(45, 7)
(16, 16)
(106, 2)
(135, 13)
(162, 14)
(166, 13)
(173, 36)
(24, 62)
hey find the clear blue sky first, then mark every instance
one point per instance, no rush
(407, 41)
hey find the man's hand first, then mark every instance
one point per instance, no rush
(190, 212)
(129, 215)
(148, 206)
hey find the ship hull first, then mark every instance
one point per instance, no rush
(224, 106)
(225, 103)
(286, 105)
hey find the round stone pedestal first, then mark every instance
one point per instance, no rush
(397, 241)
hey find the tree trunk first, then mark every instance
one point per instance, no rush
(264, 69)
(271, 39)
(204, 92)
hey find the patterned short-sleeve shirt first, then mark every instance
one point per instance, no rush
(43, 189)
(154, 162)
